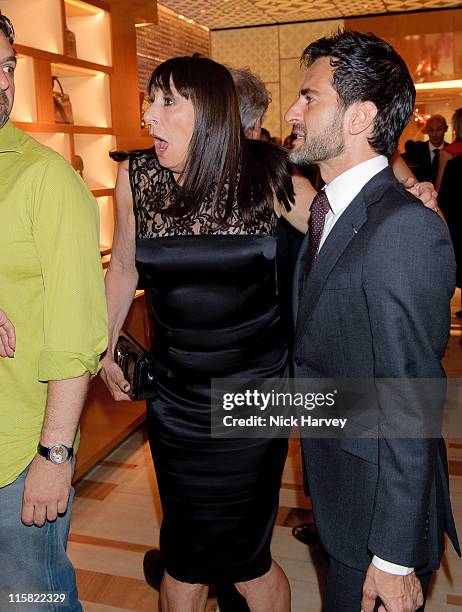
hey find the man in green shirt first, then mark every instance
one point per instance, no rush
(52, 330)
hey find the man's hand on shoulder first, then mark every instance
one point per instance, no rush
(7, 336)
(424, 191)
(46, 491)
(397, 593)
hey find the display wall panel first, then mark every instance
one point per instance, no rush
(254, 48)
(37, 23)
(295, 37)
(58, 142)
(272, 118)
(93, 37)
(106, 216)
(24, 108)
(89, 94)
(99, 169)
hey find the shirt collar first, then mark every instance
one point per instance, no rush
(345, 187)
(432, 148)
(10, 138)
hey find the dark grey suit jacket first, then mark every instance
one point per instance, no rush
(376, 305)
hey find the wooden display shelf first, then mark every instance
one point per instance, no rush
(105, 423)
(63, 128)
(105, 120)
(57, 58)
(65, 70)
(99, 192)
(105, 249)
(73, 6)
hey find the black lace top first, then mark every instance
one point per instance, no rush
(153, 188)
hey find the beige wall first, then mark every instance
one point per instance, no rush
(273, 53)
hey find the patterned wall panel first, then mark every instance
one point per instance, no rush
(295, 37)
(272, 120)
(255, 48)
(291, 79)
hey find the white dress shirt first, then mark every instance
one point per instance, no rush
(432, 149)
(340, 193)
(345, 187)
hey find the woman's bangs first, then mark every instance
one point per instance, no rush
(160, 79)
(174, 72)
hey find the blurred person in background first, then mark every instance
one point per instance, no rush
(455, 147)
(424, 156)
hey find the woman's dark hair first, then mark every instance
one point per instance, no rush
(366, 68)
(217, 157)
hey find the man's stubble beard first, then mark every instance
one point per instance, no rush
(327, 145)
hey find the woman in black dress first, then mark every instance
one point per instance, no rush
(196, 221)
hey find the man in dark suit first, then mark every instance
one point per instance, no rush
(424, 157)
(449, 200)
(374, 280)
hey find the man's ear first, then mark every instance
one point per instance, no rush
(362, 116)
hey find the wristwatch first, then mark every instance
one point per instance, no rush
(58, 453)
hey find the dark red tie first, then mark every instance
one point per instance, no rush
(318, 211)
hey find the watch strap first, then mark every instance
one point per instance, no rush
(44, 451)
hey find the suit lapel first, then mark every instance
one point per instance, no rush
(297, 285)
(342, 233)
(337, 241)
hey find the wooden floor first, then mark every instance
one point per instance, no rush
(117, 515)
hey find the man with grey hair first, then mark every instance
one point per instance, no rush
(253, 98)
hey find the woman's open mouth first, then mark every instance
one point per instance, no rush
(160, 145)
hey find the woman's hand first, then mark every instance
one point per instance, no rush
(7, 336)
(114, 379)
(425, 191)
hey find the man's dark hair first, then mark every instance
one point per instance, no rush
(7, 28)
(366, 68)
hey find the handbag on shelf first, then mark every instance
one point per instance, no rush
(71, 44)
(138, 368)
(62, 104)
(77, 164)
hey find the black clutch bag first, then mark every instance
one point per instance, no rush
(138, 368)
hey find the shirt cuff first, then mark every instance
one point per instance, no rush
(391, 568)
(61, 365)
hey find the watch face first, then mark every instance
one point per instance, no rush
(58, 454)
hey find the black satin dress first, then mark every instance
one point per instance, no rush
(215, 314)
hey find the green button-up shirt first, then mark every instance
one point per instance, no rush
(51, 287)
